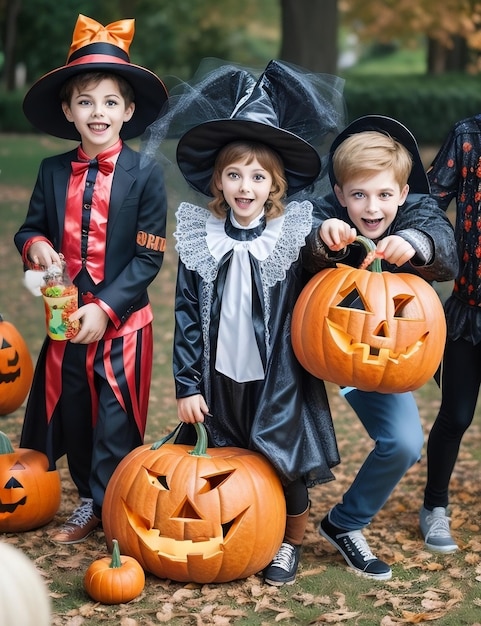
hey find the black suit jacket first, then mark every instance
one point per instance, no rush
(135, 237)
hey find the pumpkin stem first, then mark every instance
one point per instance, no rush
(116, 562)
(5, 445)
(201, 445)
(375, 264)
(156, 445)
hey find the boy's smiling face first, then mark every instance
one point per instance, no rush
(98, 112)
(372, 201)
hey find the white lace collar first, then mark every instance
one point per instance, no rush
(202, 240)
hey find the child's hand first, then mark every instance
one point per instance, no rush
(192, 409)
(42, 254)
(93, 323)
(336, 234)
(395, 250)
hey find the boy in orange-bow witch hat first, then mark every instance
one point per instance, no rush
(102, 213)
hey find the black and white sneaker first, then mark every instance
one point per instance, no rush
(354, 548)
(283, 568)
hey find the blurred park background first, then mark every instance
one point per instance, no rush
(416, 60)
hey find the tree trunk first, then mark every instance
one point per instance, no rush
(442, 59)
(309, 34)
(10, 37)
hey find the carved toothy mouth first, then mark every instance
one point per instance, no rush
(371, 354)
(179, 549)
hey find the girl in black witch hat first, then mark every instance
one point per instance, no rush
(241, 268)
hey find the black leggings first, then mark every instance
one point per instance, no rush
(297, 497)
(461, 380)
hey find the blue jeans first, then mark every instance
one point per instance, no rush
(392, 421)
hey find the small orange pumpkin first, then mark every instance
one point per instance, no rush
(16, 368)
(29, 491)
(203, 515)
(374, 330)
(115, 579)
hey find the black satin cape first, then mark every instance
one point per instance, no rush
(286, 416)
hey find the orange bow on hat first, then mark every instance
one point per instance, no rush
(87, 31)
(96, 48)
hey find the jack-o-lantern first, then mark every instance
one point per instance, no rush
(374, 330)
(16, 368)
(203, 515)
(29, 491)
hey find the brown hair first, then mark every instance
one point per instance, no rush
(248, 151)
(370, 152)
(83, 80)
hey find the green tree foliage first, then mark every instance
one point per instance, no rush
(452, 28)
(172, 36)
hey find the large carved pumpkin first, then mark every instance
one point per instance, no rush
(29, 491)
(202, 515)
(16, 368)
(374, 330)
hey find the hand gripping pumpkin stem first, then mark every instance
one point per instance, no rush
(372, 262)
(201, 445)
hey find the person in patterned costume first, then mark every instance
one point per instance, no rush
(455, 175)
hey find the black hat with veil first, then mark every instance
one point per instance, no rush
(295, 112)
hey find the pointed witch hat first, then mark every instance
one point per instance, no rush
(96, 48)
(286, 108)
(417, 181)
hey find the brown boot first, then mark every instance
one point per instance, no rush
(296, 527)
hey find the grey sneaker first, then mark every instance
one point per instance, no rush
(435, 530)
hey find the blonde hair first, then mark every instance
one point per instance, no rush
(248, 151)
(370, 152)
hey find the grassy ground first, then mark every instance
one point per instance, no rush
(424, 587)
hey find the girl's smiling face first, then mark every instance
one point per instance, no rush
(372, 201)
(98, 113)
(246, 188)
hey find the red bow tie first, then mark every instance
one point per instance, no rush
(105, 166)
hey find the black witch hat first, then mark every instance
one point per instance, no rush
(294, 112)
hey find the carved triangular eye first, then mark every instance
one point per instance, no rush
(352, 299)
(401, 306)
(17, 466)
(214, 481)
(158, 480)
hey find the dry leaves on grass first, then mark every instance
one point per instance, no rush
(409, 598)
